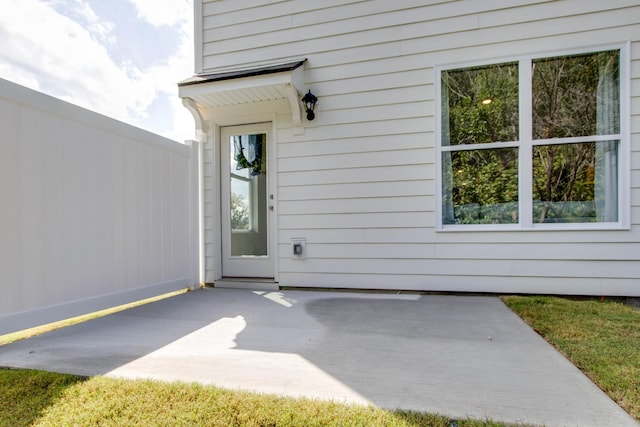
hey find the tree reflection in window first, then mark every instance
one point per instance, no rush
(574, 140)
(480, 182)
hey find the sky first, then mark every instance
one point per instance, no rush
(120, 58)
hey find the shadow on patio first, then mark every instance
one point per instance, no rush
(456, 355)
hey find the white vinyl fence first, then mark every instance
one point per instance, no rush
(93, 212)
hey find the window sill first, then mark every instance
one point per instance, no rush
(536, 227)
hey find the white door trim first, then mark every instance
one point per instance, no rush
(234, 266)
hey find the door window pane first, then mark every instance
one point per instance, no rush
(248, 195)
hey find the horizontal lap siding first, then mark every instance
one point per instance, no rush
(470, 268)
(459, 283)
(360, 183)
(477, 252)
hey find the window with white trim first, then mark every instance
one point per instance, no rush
(532, 142)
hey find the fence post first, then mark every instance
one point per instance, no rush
(195, 215)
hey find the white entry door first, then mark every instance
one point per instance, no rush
(247, 202)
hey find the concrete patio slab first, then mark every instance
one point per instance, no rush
(461, 356)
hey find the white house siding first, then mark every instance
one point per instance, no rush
(93, 212)
(360, 183)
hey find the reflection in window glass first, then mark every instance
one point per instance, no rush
(241, 189)
(248, 198)
(575, 182)
(248, 166)
(568, 143)
(240, 204)
(576, 95)
(480, 105)
(480, 186)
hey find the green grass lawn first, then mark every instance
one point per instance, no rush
(600, 338)
(39, 399)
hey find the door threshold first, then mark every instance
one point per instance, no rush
(247, 283)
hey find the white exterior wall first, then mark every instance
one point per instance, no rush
(93, 212)
(360, 183)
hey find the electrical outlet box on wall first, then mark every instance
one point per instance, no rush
(299, 248)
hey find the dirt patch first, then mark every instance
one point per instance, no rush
(633, 302)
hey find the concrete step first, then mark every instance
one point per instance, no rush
(247, 283)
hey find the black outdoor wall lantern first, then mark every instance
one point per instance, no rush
(309, 104)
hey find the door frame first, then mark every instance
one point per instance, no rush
(266, 124)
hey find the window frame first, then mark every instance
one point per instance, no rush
(526, 143)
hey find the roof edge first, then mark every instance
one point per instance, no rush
(239, 74)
